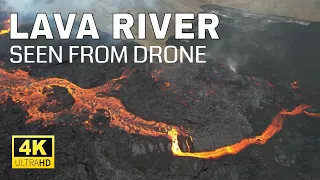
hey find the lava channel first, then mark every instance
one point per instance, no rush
(29, 92)
(275, 126)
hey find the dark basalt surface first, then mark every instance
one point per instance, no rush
(217, 105)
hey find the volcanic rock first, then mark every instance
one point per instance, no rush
(233, 96)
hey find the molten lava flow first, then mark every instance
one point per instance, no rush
(271, 130)
(31, 93)
(6, 29)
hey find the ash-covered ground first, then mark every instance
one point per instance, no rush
(245, 82)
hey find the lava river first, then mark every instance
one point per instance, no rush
(31, 93)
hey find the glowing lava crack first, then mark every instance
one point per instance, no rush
(29, 92)
(6, 29)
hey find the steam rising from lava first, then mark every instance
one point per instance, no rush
(31, 93)
(232, 64)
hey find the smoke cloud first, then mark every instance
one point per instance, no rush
(47, 6)
(102, 9)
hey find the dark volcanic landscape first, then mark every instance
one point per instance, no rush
(261, 65)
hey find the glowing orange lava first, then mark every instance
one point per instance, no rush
(6, 29)
(156, 74)
(295, 85)
(275, 126)
(31, 93)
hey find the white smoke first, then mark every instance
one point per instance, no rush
(232, 64)
(47, 6)
(101, 9)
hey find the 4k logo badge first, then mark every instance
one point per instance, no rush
(33, 151)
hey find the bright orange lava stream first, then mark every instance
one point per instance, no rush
(6, 29)
(275, 126)
(30, 93)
